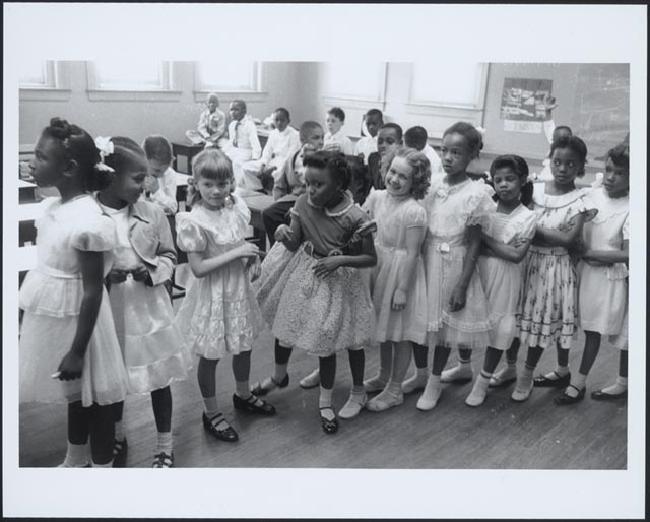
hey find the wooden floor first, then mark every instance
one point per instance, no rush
(501, 434)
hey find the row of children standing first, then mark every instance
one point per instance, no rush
(316, 290)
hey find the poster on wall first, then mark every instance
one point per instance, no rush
(522, 104)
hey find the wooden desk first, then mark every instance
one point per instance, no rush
(27, 215)
(26, 191)
(185, 149)
(257, 202)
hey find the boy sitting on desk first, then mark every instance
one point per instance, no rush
(243, 144)
(289, 179)
(212, 124)
(372, 122)
(282, 142)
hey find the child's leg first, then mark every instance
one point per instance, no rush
(392, 394)
(619, 388)
(161, 402)
(280, 377)
(78, 423)
(213, 420)
(327, 367)
(524, 385)
(419, 379)
(433, 389)
(357, 399)
(462, 372)
(379, 381)
(560, 376)
(243, 398)
(508, 373)
(579, 380)
(479, 390)
(102, 434)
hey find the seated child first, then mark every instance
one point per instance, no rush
(389, 138)
(243, 143)
(283, 141)
(289, 180)
(418, 139)
(160, 184)
(212, 124)
(372, 120)
(335, 139)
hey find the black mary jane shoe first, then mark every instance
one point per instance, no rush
(561, 381)
(259, 391)
(227, 434)
(330, 426)
(564, 399)
(253, 405)
(601, 396)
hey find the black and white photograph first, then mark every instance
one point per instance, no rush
(319, 260)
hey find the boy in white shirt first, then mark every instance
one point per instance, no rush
(243, 143)
(417, 138)
(334, 138)
(372, 121)
(212, 124)
(160, 184)
(283, 141)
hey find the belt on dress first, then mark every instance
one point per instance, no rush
(308, 248)
(55, 272)
(443, 247)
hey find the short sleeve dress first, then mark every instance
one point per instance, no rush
(321, 315)
(603, 290)
(502, 279)
(394, 217)
(51, 296)
(549, 312)
(450, 210)
(220, 313)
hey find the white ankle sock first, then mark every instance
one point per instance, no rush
(210, 406)
(618, 387)
(242, 388)
(525, 379)
(280, 372)
(579, 381)
(559, 370)
(119, 430)
(76, 455)
(433, 388)
(325, 401)
(165, 442)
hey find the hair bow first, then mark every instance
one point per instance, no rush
(481, 130)
(105, 146)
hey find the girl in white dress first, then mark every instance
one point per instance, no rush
(219, 314)
(506, 234)
(154, 350)
(602, 271)
(397, 282)
(67, 338)
(548, 312)
(457, 308)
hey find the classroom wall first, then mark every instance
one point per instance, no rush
(137, 119)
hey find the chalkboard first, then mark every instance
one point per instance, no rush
(602, 106)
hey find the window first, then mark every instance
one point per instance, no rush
(134, 74)
(355, 80)
(226, 76)
(43, 80)
(36, 74)
(457, 83)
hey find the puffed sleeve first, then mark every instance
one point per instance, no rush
(362, 224)
(300, 206)
(94, 234)
(415, 216)
(583, 205)
(190, 237)
(528, 226)
(479, 204)
(626, 228)
(370, 202)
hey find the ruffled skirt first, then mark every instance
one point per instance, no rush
(155, 353)
(45, 339)
(220, 314)
(466, 328)
(548, 314)
(602, 298)
(501, 281)
(319, 315)
(409, 324)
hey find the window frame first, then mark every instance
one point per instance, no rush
(55, 88)
(256, 93)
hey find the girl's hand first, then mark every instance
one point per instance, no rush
(254, 268)
(117, 275)
(249, 250)
(399, 299)
(549, 103)
(283, 233)
(151, 184)
(457, 299)
(325, 266)
(71, 366)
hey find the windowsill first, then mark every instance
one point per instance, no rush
(200, 96)
(43, 94)
(162, 95)
(359, 102)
